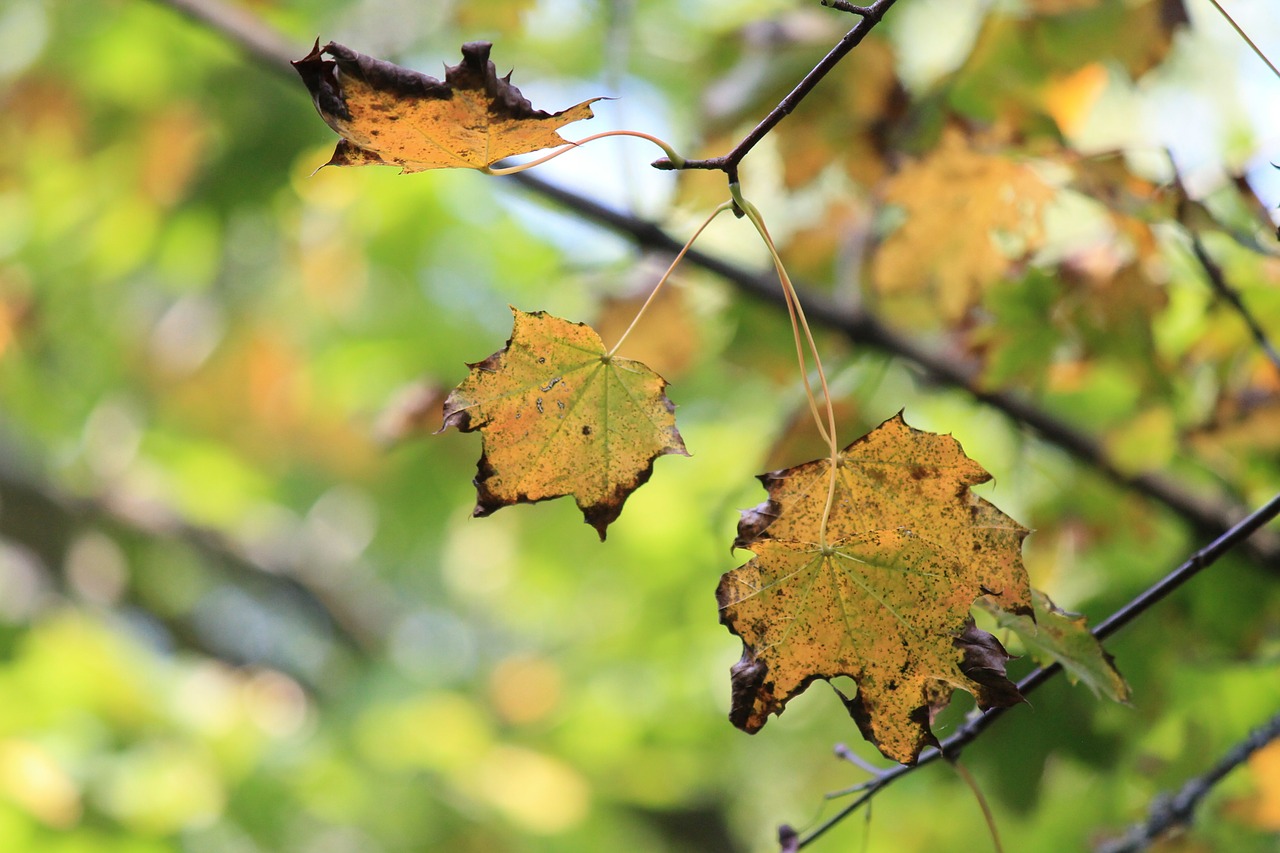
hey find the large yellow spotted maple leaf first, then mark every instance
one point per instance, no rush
(884, 598)
(391, 115)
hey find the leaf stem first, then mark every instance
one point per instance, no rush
(569, 146)
(799, 324)
(1245, 36)
(666, 275)
(982, 802)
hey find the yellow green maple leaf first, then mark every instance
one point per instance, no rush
(558, 415)
(884, 597)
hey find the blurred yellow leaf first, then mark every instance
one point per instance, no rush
(1069, 98)
(969, 216)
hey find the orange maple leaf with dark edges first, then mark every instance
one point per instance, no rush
(389, 115)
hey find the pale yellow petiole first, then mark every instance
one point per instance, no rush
(666, 275)
(800, 325)
(982, 803)
(569, 146)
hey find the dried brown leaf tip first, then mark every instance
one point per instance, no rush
(887, 601)
(559, 416)
(388, 115)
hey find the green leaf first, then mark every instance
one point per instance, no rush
(1056, 636)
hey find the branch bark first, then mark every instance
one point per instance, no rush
(728, 163)
(45, 521)
(1169, 812)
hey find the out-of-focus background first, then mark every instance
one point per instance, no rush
(242, 604)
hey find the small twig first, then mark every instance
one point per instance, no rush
(1218, 280)
(844, 753)
(974, 727)
(987, 814)
(1245, 36)
(846, 6)
(1168, 812)
(728, 163)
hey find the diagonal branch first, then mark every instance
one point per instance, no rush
(1169, 812)
(969, 732)
(44, 521)
(866, 329)
(1214, 272)
(860, 326)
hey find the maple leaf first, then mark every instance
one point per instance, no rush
(969, 216)
(908, 550)
(388, 115)
(559, 416)
(1054, 635)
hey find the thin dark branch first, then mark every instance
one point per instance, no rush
(262, 42)
(969, 731)
(1169, 812)
(1213, 271)
(1218, 280)
(728, 163)
(846, 6)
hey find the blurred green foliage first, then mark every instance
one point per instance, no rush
(242, 605)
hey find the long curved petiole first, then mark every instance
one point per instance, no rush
(569, 146)
(666, 275)
(803, 335)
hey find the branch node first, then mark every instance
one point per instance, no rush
(872, 12)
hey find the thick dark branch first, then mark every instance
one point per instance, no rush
(45, 521)
(1167, 812)
(969, 732)
(865, 329)
(728, 163)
